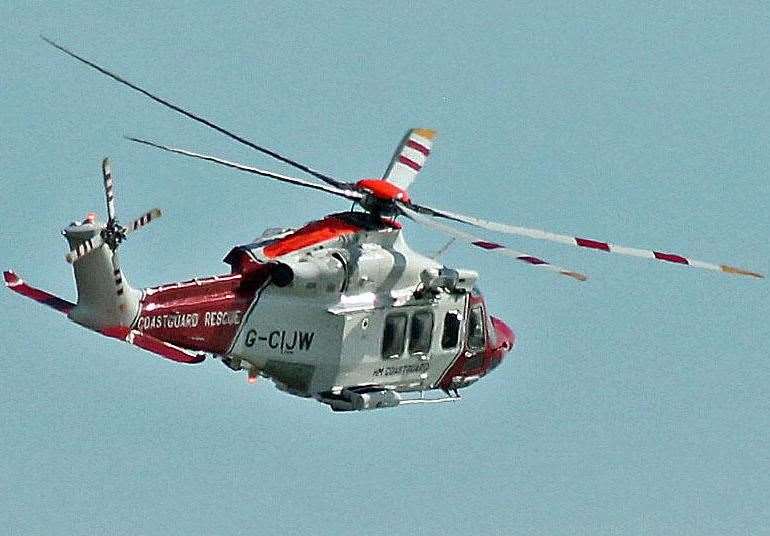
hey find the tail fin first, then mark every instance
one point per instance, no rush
(104, 296)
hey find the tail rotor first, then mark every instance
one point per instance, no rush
(105, 298)
(113, 233)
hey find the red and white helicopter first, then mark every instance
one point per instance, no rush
(340, 310)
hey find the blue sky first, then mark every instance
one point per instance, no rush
(635, 403)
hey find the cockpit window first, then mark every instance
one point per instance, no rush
(476, 328)
(451, 332)
(394, 336)
(420, 332)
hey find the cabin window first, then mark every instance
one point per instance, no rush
(420, 332)
(476, 328)
(451, 332)
(394, 336)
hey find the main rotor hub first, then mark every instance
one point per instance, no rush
(383, 190)
(381, 196)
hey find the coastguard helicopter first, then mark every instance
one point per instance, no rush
(340, 310)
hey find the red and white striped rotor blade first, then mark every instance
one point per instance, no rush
(410, 157)
(487, 245)
(143, 220)
(84, 248)
(584, 242)
(109, 188)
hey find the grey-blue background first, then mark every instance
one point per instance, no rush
(635, 403)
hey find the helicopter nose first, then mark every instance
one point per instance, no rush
(506, 338)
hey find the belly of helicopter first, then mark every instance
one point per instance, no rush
(307, 350)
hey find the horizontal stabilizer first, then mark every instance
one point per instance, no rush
(152, 344)
(17, 284)
(137, 338)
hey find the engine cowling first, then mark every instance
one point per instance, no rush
(311, 274)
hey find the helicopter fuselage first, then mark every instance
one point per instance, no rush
(340, 306)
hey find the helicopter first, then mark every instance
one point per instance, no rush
(340, 310)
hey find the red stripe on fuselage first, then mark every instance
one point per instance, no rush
(151, 344)
(162, 348)
(467, 362)
(311, 234)
(201, 315)
(205, 314)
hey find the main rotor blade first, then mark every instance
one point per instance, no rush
(326, 178)
(342, 192)
(84, 248)
(582, 242)
(143, 220)
(485, 244)
(410, 157)
(109, 189)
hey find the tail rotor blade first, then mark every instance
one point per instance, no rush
(84, 248)
(143, 220)
(92, 244)
(487, 245)
(109, 188)
(117, 274)
(581, 242)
